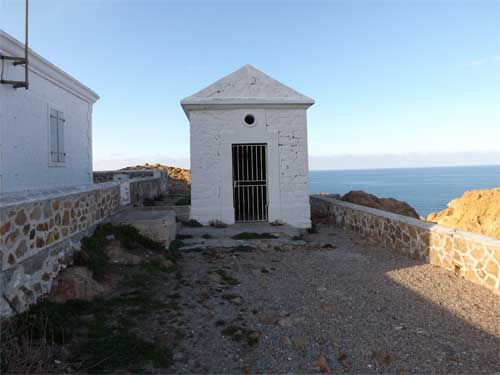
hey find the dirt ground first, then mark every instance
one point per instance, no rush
(350, 308)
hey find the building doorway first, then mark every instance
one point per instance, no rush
(250, 182)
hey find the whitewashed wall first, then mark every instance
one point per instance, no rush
(285, 132)
(24, 126)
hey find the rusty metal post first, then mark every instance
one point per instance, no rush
(26, 49)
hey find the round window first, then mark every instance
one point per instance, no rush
(249, 120)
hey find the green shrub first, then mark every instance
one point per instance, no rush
(252, 236)
(183, 202)
(192, 223)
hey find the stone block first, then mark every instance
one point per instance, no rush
(159, 225)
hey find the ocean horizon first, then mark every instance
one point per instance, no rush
(427, 189)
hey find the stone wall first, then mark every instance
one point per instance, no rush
(107, 176)
(40, 230)
(473, 256)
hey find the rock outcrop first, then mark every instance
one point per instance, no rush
(475, 211)
(386, 204)
(179, 179)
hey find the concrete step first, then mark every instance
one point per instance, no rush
(159, 225)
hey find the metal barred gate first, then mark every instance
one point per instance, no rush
(250, 182)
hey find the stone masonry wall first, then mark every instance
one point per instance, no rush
(40, 230)
(473, 256)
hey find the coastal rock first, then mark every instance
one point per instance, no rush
(475, 211)
(386, 204)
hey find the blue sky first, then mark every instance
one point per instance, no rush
(402, 78)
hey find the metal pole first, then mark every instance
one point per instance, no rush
(26, 49)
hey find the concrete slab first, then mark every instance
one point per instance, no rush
(159, 225)
(280, 231)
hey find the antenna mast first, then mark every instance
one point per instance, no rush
(19, 60)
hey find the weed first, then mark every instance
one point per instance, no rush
(226, 278)
(312, 229)
(193, 223)
(279, 249)
(183, 202)
(175, 245)
(207, 236)
(297, 238)
(217, 224)
(277, 223)
(252, 236)
(184, 236)
(242, 249)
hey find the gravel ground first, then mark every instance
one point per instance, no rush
(350, 308)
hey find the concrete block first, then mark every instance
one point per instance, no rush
(159, 225)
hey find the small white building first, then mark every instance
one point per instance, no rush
(46, 130)
(249, 158)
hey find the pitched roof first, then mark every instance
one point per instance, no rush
(246, 85)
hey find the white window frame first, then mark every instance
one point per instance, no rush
(53, 163)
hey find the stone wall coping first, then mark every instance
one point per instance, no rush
(131, 171)
(150, 178)
(30, 196)
(433, 227)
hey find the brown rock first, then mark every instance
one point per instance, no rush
(11, 260)
(43, 227)
(386, 204)
(65, 220)
(492, 268)
(21, 249)
(476, 211)
(322, 364)
(40, 242)
(21, 218)
(75, 283)
(117, 254)
(5, 228)
(36, 214)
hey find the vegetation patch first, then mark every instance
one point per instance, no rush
(237, 333)
(183, 202)
(92, 254)
(207, 236)
(225, 277)
(312, 230)
(108, 334)
(242, 249)
(217, 224)
(193, 223)
(253, 236)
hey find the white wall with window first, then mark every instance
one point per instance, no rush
(45, 131)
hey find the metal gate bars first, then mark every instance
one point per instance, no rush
(250, 182)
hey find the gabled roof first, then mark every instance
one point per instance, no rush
(246, 85)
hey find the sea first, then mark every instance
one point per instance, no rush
(425, 189)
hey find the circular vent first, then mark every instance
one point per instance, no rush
(249, 120)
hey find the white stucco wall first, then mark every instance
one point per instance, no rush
(285, 132)
(25, 124)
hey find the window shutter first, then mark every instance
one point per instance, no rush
(60, 137)
(53, 136)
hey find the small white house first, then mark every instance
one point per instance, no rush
(46, 130)
(249, 158)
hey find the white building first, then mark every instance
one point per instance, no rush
(45, 131)
(249, 157)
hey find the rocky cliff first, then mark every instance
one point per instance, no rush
(179, 179)
(475, 211)
(386, 204)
